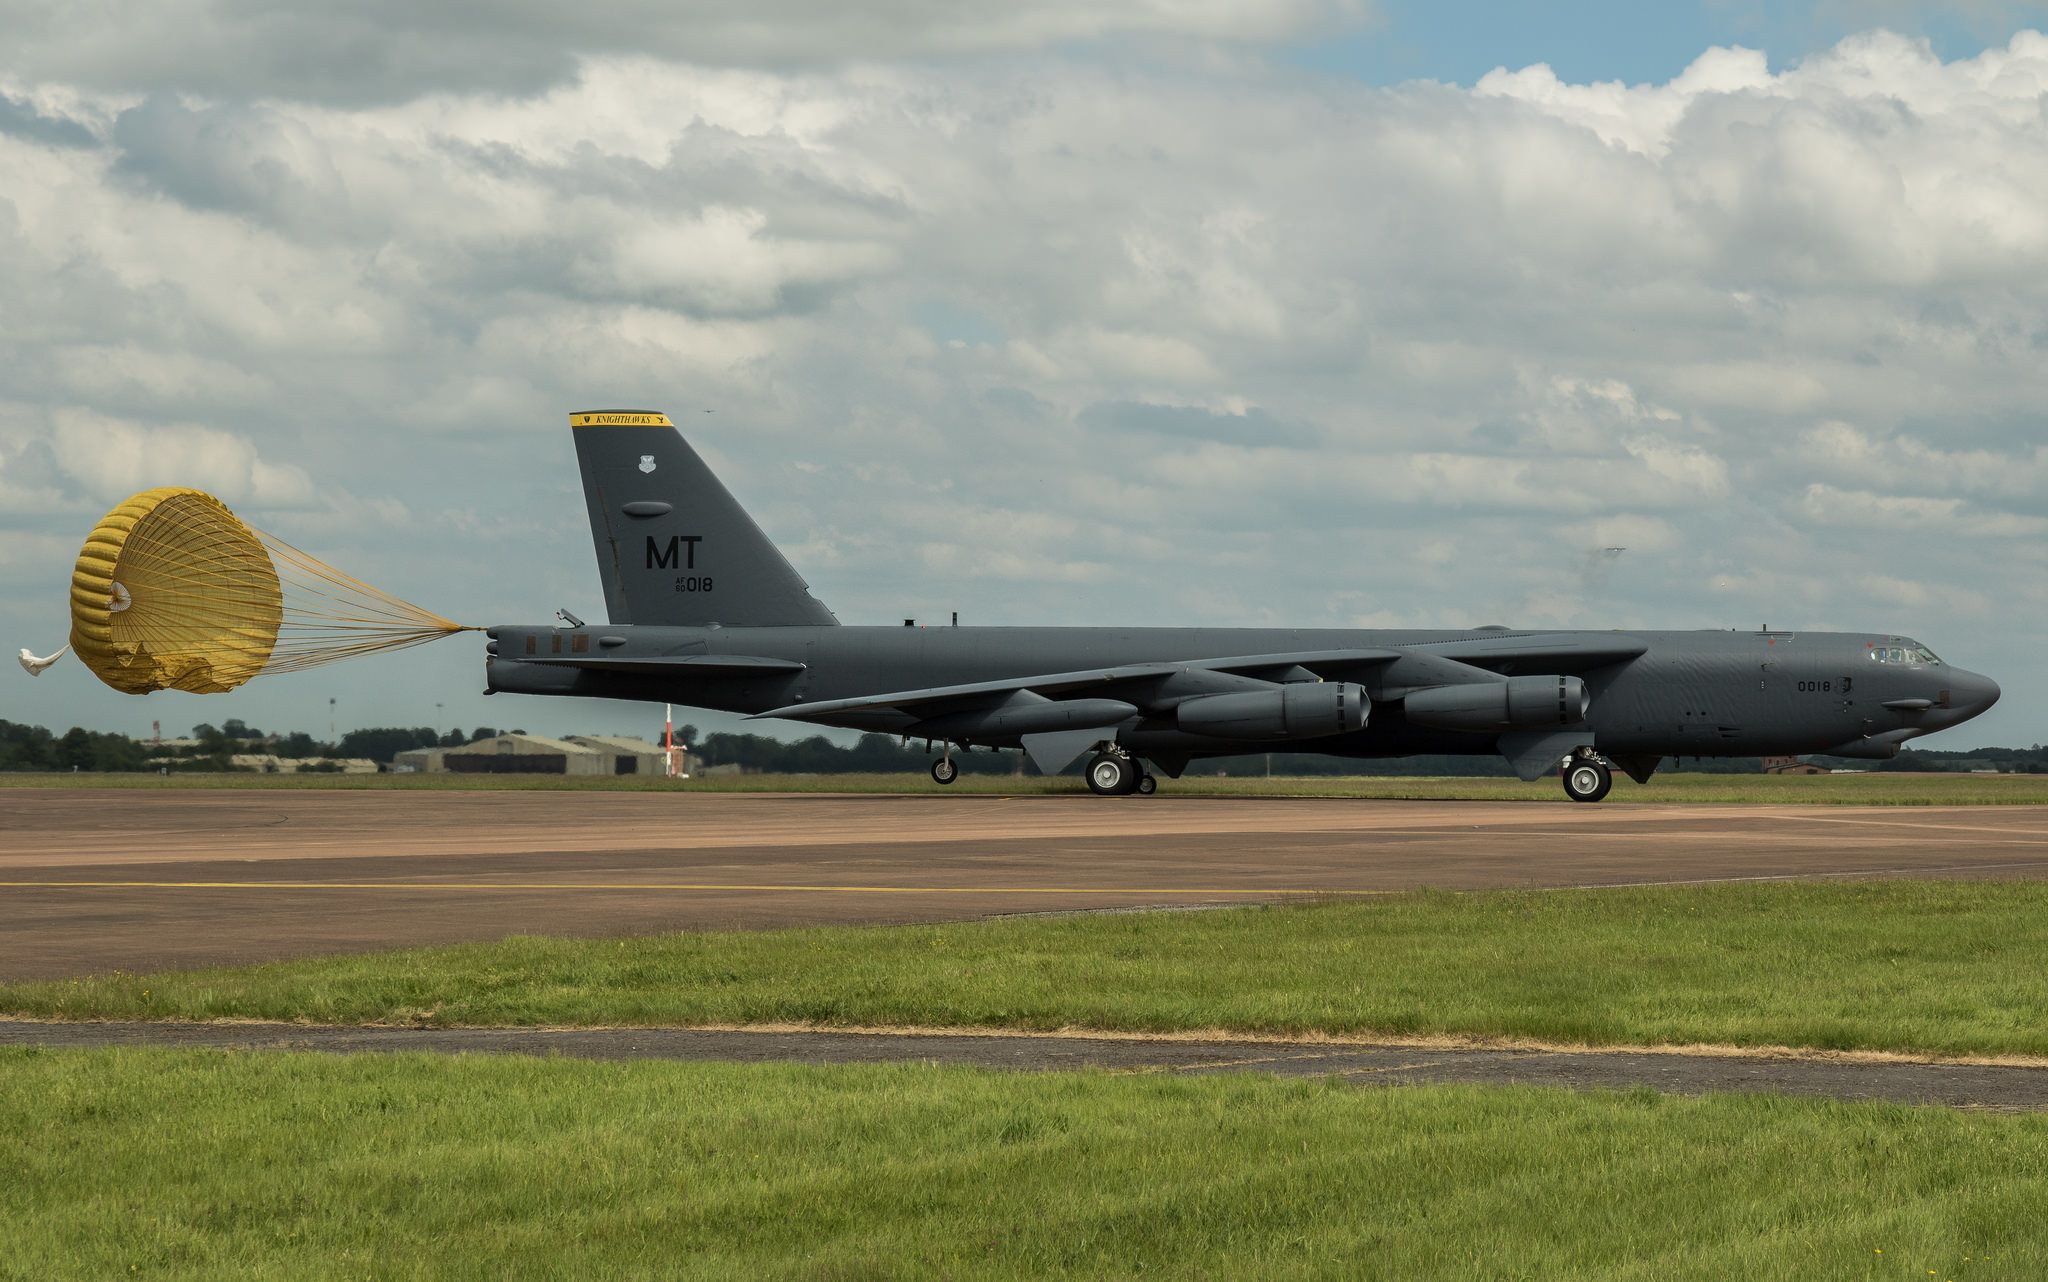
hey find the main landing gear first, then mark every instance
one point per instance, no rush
(1587, 776)
(1112, 774)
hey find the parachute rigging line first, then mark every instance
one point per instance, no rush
(173, 591)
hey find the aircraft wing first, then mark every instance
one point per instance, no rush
(1564, 652)
(1299, 664)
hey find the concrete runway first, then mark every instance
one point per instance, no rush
(121, 879)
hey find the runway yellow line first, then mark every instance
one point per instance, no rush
(678, 885)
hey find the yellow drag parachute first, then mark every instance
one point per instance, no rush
(173, 592)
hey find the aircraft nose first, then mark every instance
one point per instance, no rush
(1971, 692)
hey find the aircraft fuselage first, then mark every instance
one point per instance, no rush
(707, 612)
(1689, 693)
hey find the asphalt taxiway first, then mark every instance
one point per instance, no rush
(102, 880)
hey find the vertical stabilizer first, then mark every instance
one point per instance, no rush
(673, 545)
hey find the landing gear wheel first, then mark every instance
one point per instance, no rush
(1586, 779)
(1147, 784)
(1110, 775)
(944, 771)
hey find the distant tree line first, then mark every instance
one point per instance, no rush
(34, 748)
(25, 747)
(2010, 761)
(817, 755)
(29, 748)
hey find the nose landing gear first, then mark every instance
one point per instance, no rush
(1587, 776)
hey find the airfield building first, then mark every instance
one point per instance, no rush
(1792, 766)
(538, 754)
(629, 756)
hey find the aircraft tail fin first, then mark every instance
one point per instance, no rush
(673, 545)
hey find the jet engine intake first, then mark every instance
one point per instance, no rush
(1302, 710)
(1516, 703)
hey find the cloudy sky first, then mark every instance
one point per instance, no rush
(1316, 312)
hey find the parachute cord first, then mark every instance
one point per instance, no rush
(197, 582)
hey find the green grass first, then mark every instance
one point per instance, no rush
(223, 1166)
(1940, 967)
(1846, 789)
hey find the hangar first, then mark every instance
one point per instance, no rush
(540, 755)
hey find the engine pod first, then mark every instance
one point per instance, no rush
(1305, 710)
(1514, 703)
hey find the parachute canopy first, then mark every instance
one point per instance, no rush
(173, 592)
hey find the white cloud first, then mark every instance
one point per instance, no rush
(113, 459)
(1947, 519)
(1050, 336)
(359, 53)
(1942, 599)
(1638, 117)
(1617, 536)
(1842, 451)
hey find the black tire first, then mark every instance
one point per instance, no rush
(1112, 776)
(1147, 784)
(1587, 780)
(945, 770)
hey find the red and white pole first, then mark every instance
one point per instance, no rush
(668, 737)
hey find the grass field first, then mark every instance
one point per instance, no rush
(1936, 967)
(1842, 789)
(208, 1165)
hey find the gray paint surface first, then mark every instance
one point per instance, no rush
(706, 612)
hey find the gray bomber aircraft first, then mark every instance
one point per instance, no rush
(704, 611)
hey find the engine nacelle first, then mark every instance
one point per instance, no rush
(1024, 712)
(1516, 703)
(1302, 710)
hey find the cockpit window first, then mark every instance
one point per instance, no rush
(1902, 650)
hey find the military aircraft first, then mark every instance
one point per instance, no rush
(704, 611)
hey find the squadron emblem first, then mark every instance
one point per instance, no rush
(647, 462)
